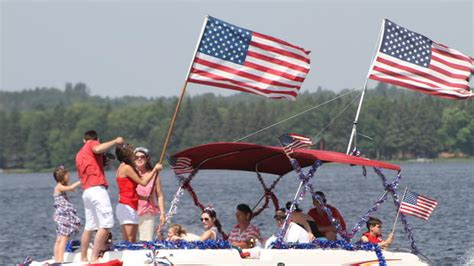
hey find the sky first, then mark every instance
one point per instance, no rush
(144, 48)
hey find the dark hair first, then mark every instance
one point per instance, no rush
(212, 213)
(59, 174)
(321, 194)
(90, 135)
(245, 209)
(373, 222)
(297, 208)
(124, 153)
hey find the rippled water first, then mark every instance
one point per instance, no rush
(26, 205)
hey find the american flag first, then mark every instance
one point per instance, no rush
(292, 142)
(181, 165)
(411, 60)
(417, 205)
(235, 58)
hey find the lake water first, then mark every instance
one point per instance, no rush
(447, 238)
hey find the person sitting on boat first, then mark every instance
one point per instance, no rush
(127, 181)
(244, 234)
(304, 220)
(212, 226)
(294, 232)
(65, 217)
(374, 234)
(148, 196)
(321, 218)
(176, 232)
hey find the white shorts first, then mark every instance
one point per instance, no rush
(126, 214)
(99, 213)
(145, 227)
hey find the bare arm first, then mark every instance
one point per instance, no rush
(63, 188)
(128, 171)
(103, 147)
(386, 243)
(209, 234)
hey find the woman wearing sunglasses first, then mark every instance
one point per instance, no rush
(148, 197)
(212, 226)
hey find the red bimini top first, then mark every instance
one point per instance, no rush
(265, 159)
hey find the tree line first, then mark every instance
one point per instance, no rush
(43, 127)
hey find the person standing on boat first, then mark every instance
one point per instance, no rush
(321, 218)
(67, 222)
(127, 181)
(304, 220)
(212, 226)
(147, 197)
(244, 234)
(97, 206)
(374, 234)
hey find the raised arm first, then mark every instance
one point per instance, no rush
(103, 147)
(145, 179)
(62, 188)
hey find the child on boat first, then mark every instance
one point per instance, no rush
(374, 234)
(67, 222)
(176, 232)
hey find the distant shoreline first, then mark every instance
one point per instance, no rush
(419, 160)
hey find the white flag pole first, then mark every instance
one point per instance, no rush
(356, 119)
(398, 212)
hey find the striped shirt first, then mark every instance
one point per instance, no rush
(236, 235)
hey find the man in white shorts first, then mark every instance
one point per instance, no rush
(98, 209)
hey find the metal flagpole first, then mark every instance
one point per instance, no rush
(183, 91)
(356, 119)
(398, 213)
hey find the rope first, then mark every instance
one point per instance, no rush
(294, 116)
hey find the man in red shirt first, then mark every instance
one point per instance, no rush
(97, 206)
(321, 219)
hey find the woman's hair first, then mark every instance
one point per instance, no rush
(212, 213)
(59, 174)
(179, 229)
(124, 153)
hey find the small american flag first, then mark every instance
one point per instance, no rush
(292, 142)
(417, 205)
(411, 60)
(235, 58)
(181, 165)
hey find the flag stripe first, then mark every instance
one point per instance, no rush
(270, 54)
(278, 62)
(451, 53)
(270, 38)
(274, 72)
(279, 51)
(246, 76)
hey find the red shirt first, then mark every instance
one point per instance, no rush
(372, 238)
(128, 192)
(90, 166)
(323, 219)
(237, 236)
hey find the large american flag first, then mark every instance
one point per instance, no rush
(291, 142)
(181, 165)
(417, 205)
(411, 60)
(235, 58)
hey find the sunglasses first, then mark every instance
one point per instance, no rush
(279, 218)
(205, 219)
(140, 157)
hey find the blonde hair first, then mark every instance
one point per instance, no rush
(179, 229)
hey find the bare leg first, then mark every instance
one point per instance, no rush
(61, 241)
(56, 244)
(129, 232)
(85, 239)
(99, 242)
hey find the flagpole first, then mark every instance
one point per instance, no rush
(356, 119)
(398, 212)
(180, 99)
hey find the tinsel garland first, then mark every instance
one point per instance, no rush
(396, 200)
(338, 244)
(180, 244)
(269, 194)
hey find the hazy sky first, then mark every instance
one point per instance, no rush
(144, 48)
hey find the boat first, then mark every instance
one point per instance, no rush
(238, 156)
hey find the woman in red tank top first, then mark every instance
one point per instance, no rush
(127, 180)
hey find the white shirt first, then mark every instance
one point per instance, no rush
(294, 233)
